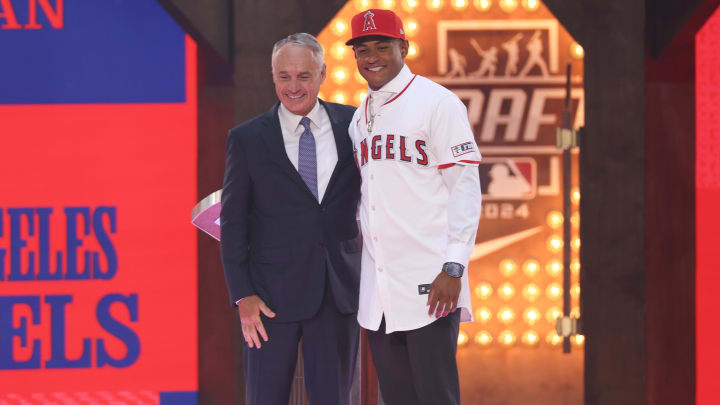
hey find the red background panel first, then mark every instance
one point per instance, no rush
(141, 159)
(708, 210)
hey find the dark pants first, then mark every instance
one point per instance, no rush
(418, 366)
(329, 345)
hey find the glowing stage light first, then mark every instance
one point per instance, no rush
(339, 27)
(531, 267)
(434, 5)
(358, 78)
(362, 5)
(553, 338)
(459, 5)
(575, 244)
(506, 315)
(530, 338)
(507, 267)
(411, 27)
(462, 338)
(410, 5)
(575, 291)
(338, 96)
(483, 338)
(340, 75)
(359, 96)
(482, 5)
(387, 4)
(553, 314)
(575, 267)
(483, 290)
(506, 291)
(531, 315)
(575, 196)
(554, 268)
(554, 243)
(554, 291)
(483, 315)
(554, 219)
(508, 6)
(531, 5)
(579, 340)
(575, 219)
(413, 50)
(577, 51)
(338, 50)
(507, 338)
(531, 292)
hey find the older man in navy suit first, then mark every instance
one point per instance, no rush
(290, 241)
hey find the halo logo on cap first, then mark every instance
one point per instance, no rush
(369, 23)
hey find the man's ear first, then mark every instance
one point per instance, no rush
(404, 46)
(323, 73)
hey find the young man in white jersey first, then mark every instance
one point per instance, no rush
(419, 211)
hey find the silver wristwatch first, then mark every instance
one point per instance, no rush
(453, 269)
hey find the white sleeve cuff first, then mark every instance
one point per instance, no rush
(458, 253)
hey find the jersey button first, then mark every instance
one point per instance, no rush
(375, 238)
(380, 269)
(372, 177)
(373, 208)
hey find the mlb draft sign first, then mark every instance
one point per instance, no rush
(510, 71)
(98, 158)
(511, 76)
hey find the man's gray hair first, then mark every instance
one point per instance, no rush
(301, 39)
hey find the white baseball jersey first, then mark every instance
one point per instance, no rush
(400, 147)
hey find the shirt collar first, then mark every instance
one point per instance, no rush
(397, 84)
(292, 121)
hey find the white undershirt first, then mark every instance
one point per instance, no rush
(325, 149)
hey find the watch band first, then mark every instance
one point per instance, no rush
(453, 269)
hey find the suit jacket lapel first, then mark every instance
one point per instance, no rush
(342, 143)
(273, 138)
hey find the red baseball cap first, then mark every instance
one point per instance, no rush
(376, 22)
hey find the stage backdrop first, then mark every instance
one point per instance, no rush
(97, 179)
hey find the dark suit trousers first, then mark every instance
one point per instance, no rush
(329, 345)
(418, 367)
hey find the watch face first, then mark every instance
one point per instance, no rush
(454, 269)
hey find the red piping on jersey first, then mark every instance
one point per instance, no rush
(389, 101)
(470, 162)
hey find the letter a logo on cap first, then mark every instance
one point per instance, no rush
(369, 23)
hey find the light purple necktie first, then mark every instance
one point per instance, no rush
(307, 162)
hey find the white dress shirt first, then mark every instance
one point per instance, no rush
(325, 149)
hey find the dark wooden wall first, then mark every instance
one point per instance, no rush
(637, 185)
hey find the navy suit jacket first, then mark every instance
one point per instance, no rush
(278, 241)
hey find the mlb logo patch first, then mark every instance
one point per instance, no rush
(462, 149)
(508, 178)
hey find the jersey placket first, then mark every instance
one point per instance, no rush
(375, 215)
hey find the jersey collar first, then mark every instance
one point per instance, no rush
(398, 83)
